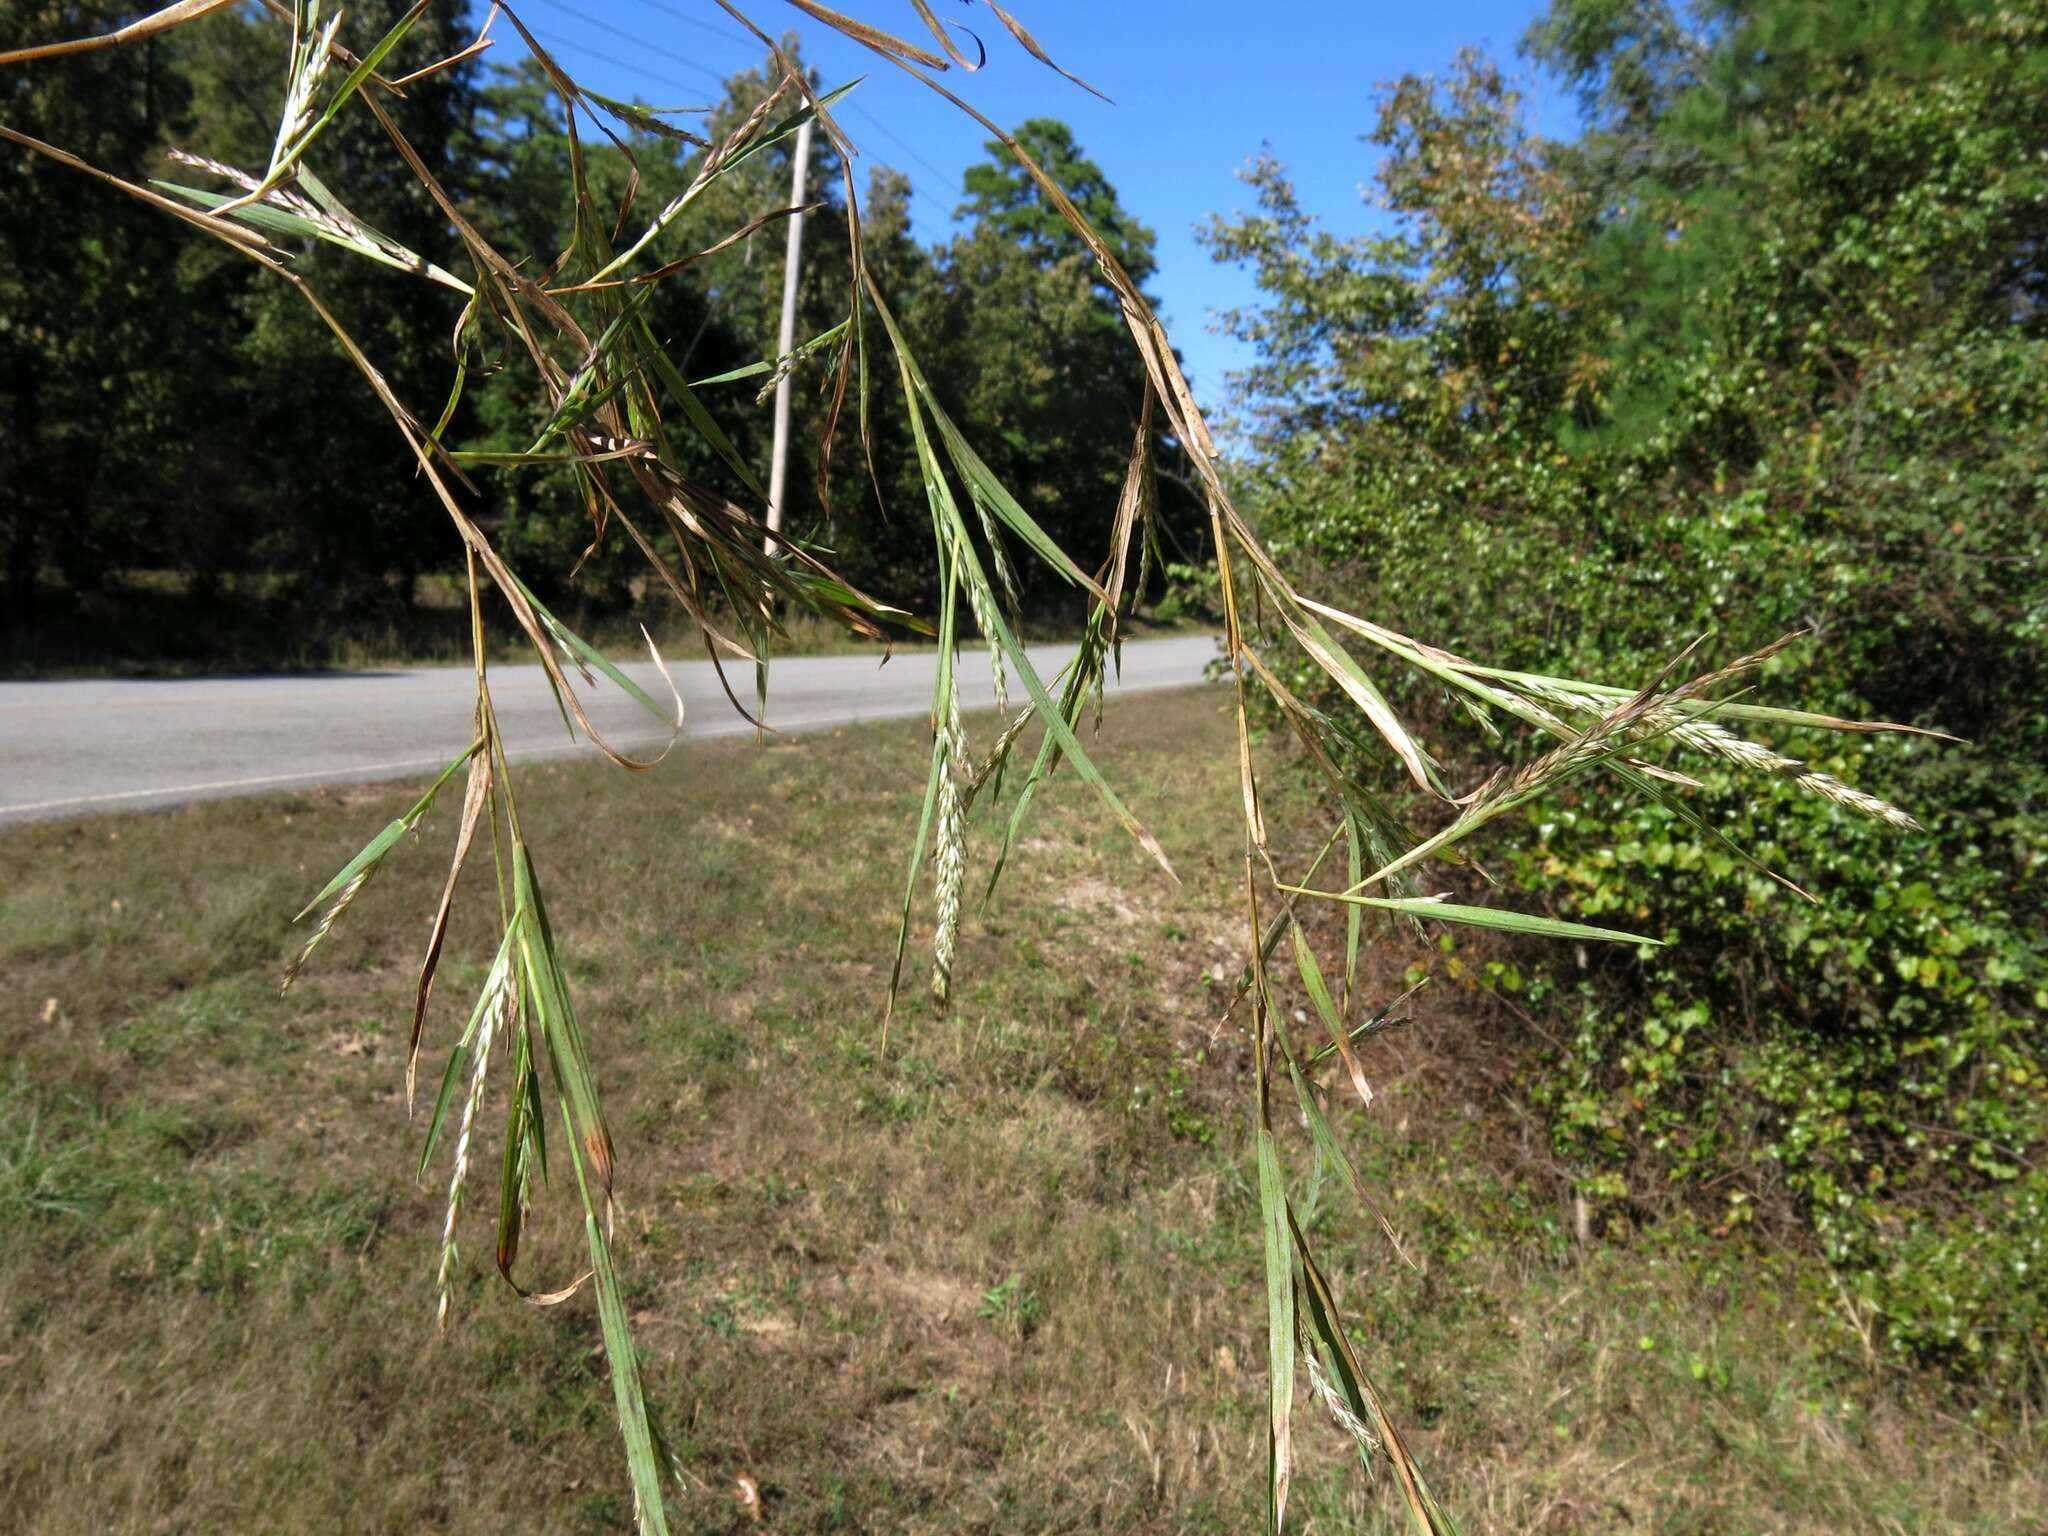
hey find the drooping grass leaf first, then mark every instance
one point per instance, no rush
(1481, 917)
(1279, 1332)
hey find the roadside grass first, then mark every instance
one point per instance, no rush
(1004, 1278)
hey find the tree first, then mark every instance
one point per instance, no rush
(82, 403)
(1382, 360)
(312, 507)
(1027, 337)
(132, 444)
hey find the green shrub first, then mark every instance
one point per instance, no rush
(1765, 350)
(1871, 1064)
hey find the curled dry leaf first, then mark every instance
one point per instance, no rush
(747, 1494)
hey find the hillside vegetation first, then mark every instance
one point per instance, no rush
(1765, 349)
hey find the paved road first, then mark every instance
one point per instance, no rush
(75, 748)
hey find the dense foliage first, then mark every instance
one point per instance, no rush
(1764, 349)
(190, 471)
(137, 368)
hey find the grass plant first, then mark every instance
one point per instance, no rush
(615, 403)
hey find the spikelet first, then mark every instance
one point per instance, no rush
(998, 755)
(1851, 798)
(1506, 789)
(333, 220)
(213, 167)
(981, 600)
(1716, 740)
(785, 365)
(487, 1031)
(309, 67)
(1339, 1410)
(328, 919)
(950, 859)
(292, 202)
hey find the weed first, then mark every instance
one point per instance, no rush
(1013, 1307)
(39, 1181)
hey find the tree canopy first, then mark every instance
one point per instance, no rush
(138, 466)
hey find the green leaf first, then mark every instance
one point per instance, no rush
(1279, 1331)
(1360, 1395)
(629, 1394)
(795, 354)
(372, 854)
(1480, 917)
(374, 851)
(278, 221)
(707, 427)
(589, 655)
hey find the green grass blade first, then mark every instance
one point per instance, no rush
(372, 854)
(1481, 917)
(794, 355)
(579, 401)
(541, 965)
(348, 884)
(590, 656)
(629, 1394)
(1354, 917)
(1363, 1398)
(1279, 1331)
(1328, 1147)
(982, 483)
(700, 418)
(1326, 1010)
(516, 1170)
(278, 221)
(374, 851)
(1054, 717)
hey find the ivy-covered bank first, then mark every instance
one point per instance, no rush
(1764, 349)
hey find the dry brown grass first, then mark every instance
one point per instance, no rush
(1005, 1280)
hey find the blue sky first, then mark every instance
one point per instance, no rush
(1198, 86)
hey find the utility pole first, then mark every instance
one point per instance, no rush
(778, 468)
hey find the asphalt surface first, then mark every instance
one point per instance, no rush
(80, 748)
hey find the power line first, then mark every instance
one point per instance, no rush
(639, 43)
(691, 64)
(703, 26)
(644, 72)
(890, 134)
(917, 224)
(668, 10)
(884, 129)
(573, 45)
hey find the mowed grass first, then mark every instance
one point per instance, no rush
(1004, 1278)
